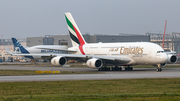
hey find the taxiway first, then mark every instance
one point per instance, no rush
(137, 73)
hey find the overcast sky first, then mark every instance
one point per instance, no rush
(37, 18)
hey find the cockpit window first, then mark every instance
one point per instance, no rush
(160, 51)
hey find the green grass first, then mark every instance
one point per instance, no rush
(16, 72)
(32, 72)
(96, 90)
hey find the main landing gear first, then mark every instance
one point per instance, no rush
(115, 68)
(128, 68)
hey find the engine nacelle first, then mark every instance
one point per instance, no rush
(58, 61)
(171, 59)
(94, 63)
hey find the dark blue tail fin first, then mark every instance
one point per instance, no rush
(18, 47)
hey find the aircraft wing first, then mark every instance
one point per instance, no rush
(107, 59)
(172, 52)
(54, 55)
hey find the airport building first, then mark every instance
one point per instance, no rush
(65, 39)
(7, 44)
(171, 41)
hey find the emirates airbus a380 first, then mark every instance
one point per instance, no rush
(100, 55)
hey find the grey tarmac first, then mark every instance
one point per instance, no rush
(137, 73)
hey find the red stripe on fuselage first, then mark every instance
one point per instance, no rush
(81, 49)
(80, 40)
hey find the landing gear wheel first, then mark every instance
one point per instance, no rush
(120, 69)
(116, 68)
(104, 69)
(159, 69)
(112, 68)
(99, 69)
(128, 68)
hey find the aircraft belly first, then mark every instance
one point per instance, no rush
(146, 61)
(37, 57)
(141, 59)
(112, 63)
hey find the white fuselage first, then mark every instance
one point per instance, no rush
(138, 52)
(37, 50)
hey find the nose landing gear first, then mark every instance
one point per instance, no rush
(159, 69)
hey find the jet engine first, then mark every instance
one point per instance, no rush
(94, 63)
(58, 61)
(171, 59)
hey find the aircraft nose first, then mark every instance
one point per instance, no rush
(164, 58)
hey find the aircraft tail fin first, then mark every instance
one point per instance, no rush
(8, 51)
(18, 48)
(75, 34)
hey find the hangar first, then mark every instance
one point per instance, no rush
(171, 41)
(95, 38)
